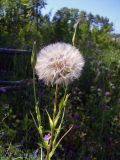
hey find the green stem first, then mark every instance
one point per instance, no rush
(55, 102)
(59, 128)
(41, 155)
(34, 89)
(74, 34)
(53, 129)
(50, 146)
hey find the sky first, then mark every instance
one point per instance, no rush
(106, 8)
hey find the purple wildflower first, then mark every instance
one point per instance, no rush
(107, 93)
(47, 137)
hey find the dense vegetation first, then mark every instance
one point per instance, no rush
(94, 106)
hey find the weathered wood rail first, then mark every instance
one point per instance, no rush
(14, 51)
(7, 86)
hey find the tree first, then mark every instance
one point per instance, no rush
(93, 32)
(17, 19)
(64, 21)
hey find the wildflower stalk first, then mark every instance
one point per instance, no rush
(59, 128)
(55, 101)
(41, 155)
(56, 129)
(34, 89)
(74, 34)
(33, 62)
(38, 123)
(54, 69)
(62, 118)
(53, 128)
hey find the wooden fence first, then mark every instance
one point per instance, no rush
(6, 86)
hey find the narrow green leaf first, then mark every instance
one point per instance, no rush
(57, 118)
(38, 114)
(50, 120)
(58, 143)
(40, 130)
(59, 129)
(44, 144)
(63, 101)
(66, 100)
(34, 119)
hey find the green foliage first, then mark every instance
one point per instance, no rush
(94, 108)
(20, 21)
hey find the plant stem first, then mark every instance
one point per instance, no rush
(74, 34)
(59, 129)
(64, 135)
(34, 89)
(55, 102)
(41, 153)
(60, 141)
(53, 129)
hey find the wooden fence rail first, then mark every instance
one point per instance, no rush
(14, 51)
(14, 87)
(6, 86)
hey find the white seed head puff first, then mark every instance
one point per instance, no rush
(59, 63)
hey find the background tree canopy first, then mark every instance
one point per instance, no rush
(22, 22)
